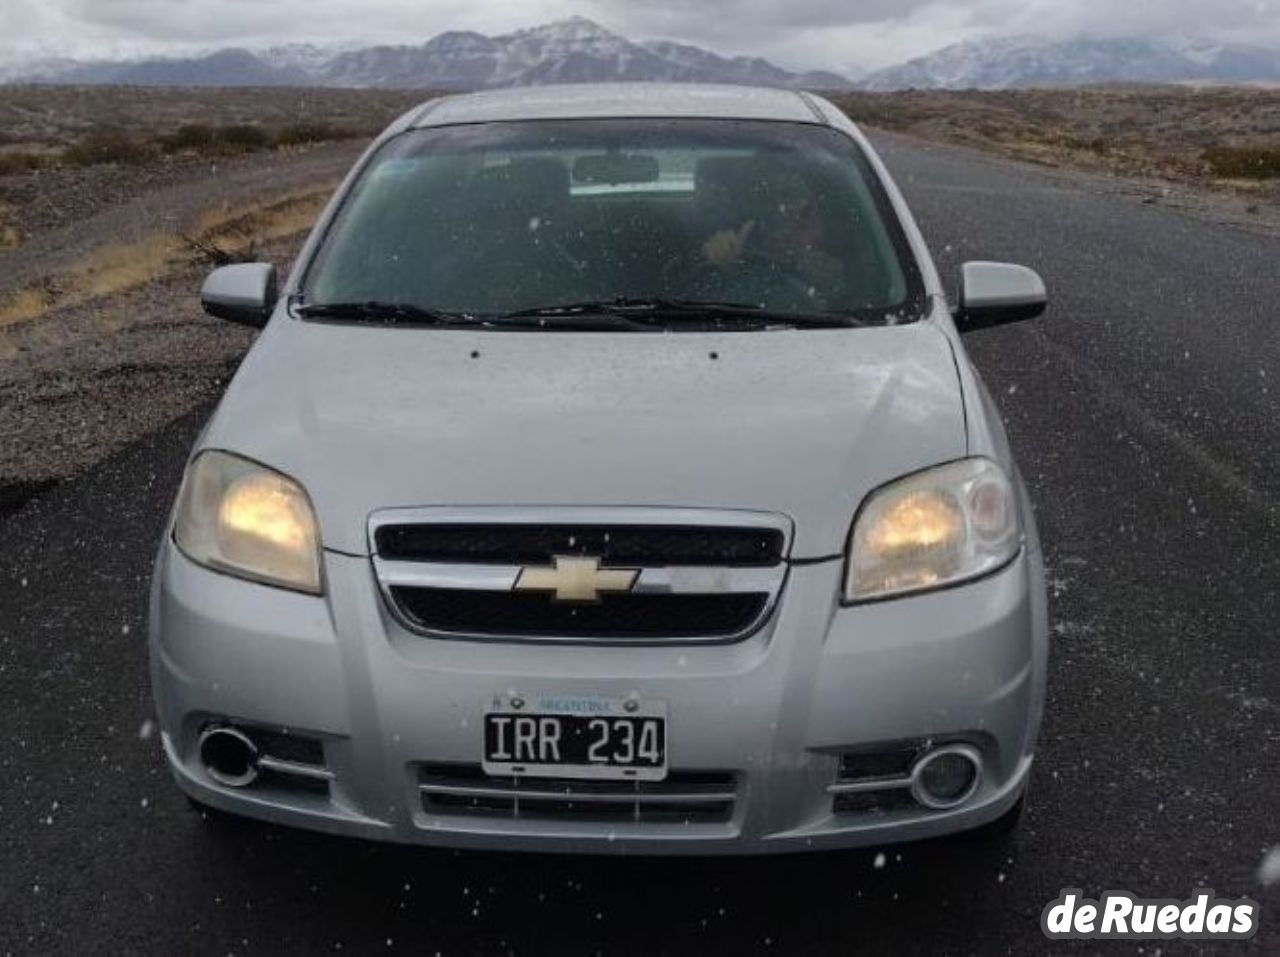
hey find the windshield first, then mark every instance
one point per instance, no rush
(495, 219)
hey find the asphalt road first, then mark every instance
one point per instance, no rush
(1145, 410)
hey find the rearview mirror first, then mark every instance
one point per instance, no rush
(993, 294)
(615, 168)
(244, 293)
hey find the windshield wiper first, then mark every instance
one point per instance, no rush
(628, 305)
(669, 312)
(388, 312)
(591, 315)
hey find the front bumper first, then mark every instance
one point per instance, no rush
(776, 710)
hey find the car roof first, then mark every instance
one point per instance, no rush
(622, 100)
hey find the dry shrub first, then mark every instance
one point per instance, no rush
(111, 269)
(198, 137)
(114, 268)
(12, 163)
(107, 145)
(243, 138)
(111, 145)
(25, 304)
(236, 230)
(106, 270)
(303, 134)
(1243, 162)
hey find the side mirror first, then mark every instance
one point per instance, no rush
(244, 293)
(993, 294)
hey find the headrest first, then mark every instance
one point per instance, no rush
(733, 188)
(726, 174)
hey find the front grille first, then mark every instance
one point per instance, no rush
(683, 797)
(622, 545)
(696, 575)
(620, 616)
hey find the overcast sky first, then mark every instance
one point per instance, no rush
(836, 34)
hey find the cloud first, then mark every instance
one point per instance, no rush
(806, 34)
(800, 33)
(250, 21)
(1162, 17)
(759, 16)
(876, 31)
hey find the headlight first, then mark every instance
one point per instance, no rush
(931, 529)
(242, 518)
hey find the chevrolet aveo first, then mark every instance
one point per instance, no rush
(609, 475)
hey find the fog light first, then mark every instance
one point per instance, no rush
(946, 777)
(230, 757)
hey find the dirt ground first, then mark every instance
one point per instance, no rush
(1163, 134)
(101, 336)
(115, 344)
(41, 117)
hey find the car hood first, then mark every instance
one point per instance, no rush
(801, 422)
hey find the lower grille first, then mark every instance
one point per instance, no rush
(863, 765)
(532, 615)
(873, 802)
(285, 761)
(875, 781)
(294, 748)
(684, 797)
(880, 779)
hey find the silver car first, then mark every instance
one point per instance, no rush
(609, 476)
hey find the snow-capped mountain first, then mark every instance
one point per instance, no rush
(741, 69)
(1025, 61)
(14, 71)
(1229, 61)
(229, 67)
(580, 50)
(569, 51)
(577, 50)
(308, 57)
(449, 61)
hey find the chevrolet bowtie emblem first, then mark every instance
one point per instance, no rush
(576, 579)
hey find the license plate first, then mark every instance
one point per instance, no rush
(568, 736)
